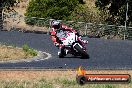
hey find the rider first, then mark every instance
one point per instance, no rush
(58, 26)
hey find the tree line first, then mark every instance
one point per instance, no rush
(111, 11)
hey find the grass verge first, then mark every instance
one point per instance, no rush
(29, 50)
(54, 79)
(14, 53)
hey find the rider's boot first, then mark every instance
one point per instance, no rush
(61, 52)
(84, 41)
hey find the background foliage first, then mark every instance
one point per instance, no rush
(56, 9)
(116, 9)
(75, 10)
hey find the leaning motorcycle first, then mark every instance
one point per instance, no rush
(71, 44)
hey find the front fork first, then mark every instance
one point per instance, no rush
(82, 44)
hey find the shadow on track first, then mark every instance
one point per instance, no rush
(75, 57)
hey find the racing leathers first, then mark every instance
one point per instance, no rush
(55, 34)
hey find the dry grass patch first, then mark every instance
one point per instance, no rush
(54, 79)
(12, 53)
(49, 75)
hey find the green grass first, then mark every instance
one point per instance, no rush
(29, 50)
(61, 82)
(65, 82)
(25, 84)
(25, 47)
(70, 83)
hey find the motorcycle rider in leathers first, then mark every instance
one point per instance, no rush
(56, 27)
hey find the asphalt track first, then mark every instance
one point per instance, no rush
(104, 54)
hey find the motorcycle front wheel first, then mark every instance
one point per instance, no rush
(81, 51)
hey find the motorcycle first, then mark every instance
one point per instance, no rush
(71, 44)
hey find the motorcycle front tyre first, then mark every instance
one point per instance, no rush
(81, 51)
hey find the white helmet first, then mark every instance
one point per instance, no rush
(56, 24)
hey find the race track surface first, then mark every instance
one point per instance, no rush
(104, 54)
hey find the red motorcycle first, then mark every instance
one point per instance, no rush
(71, 44)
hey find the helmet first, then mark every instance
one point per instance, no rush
(56, 24)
